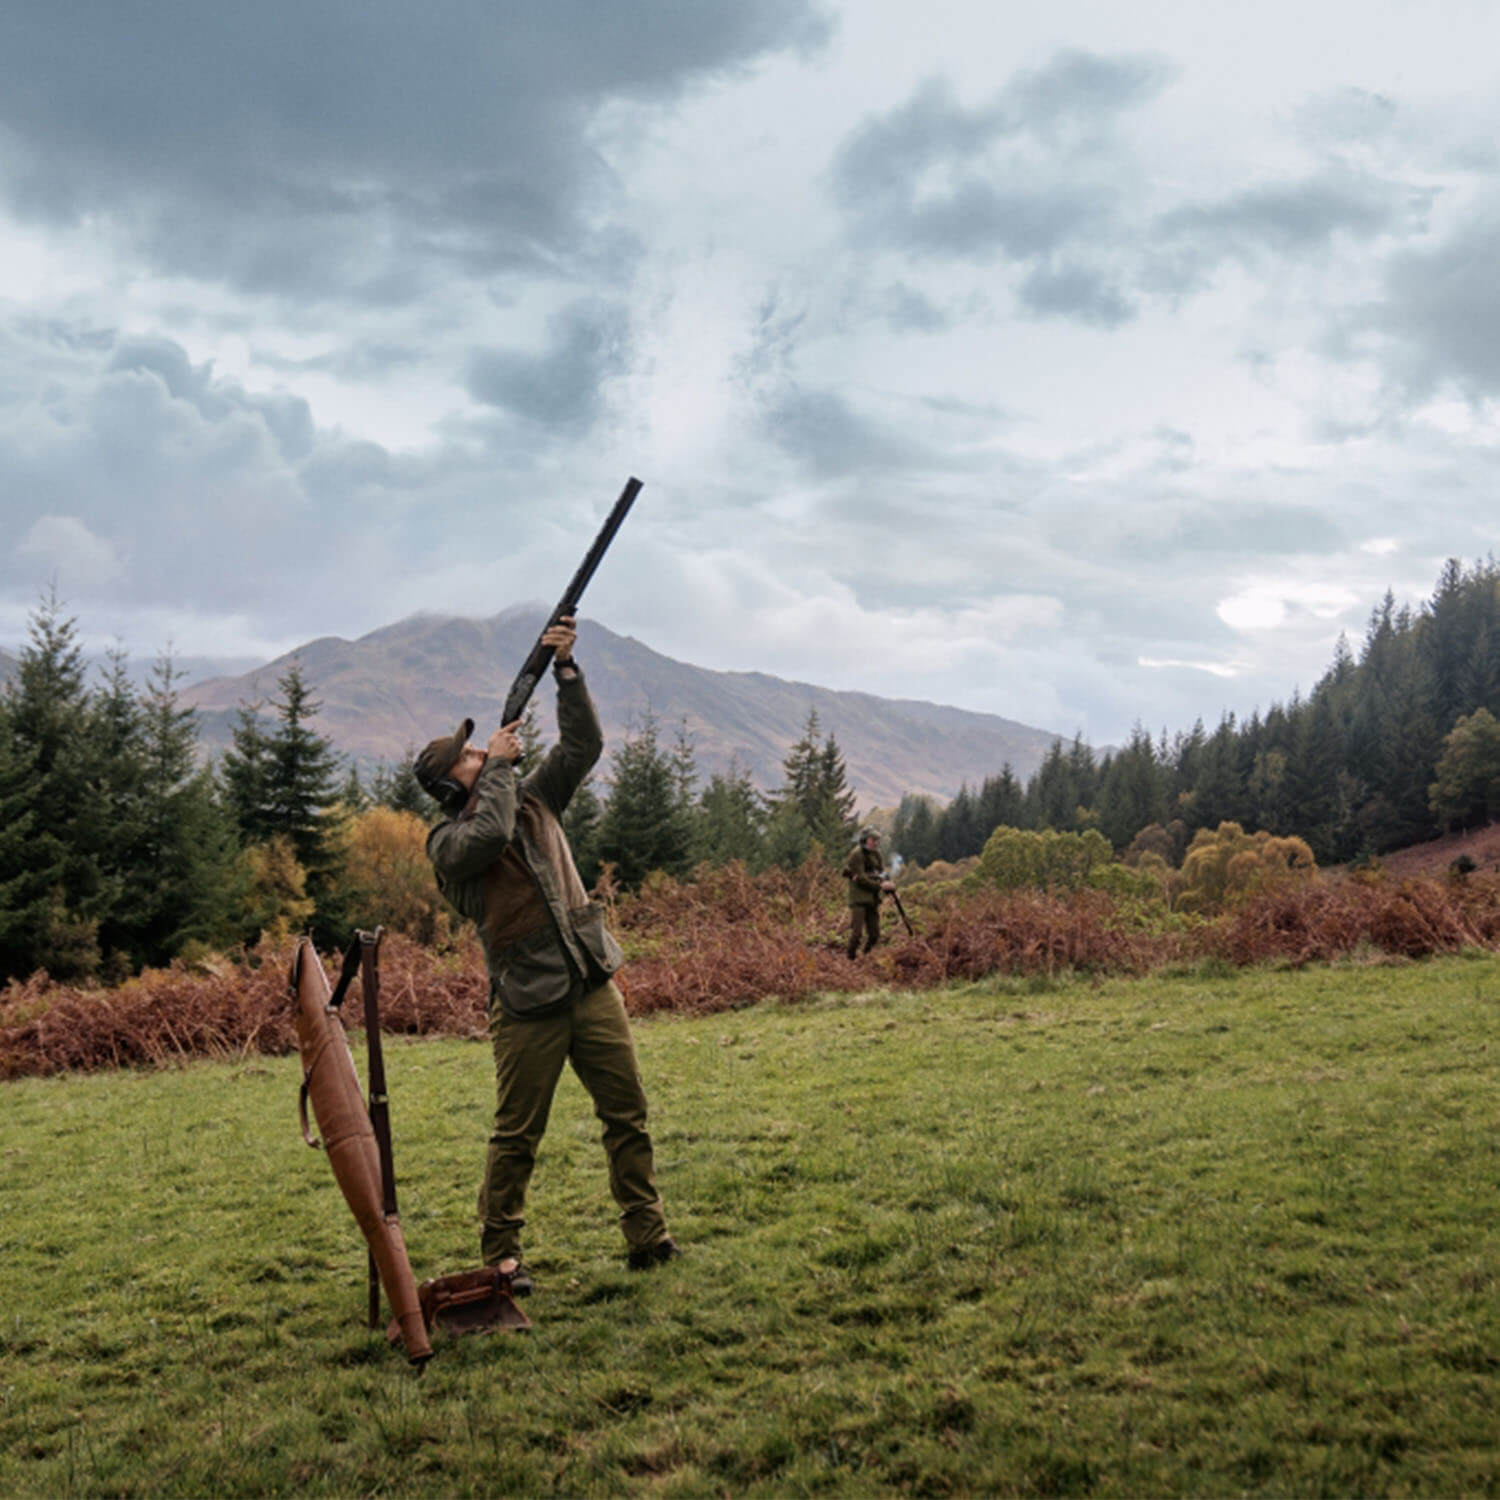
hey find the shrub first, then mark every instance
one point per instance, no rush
(1228, 865)
(1018, 859)
(726, 939)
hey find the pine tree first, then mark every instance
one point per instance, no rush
(1444, 646)
(1132, 791)
(302, 769)
(400, 789)
(685, 781)
(914, 832)
(836, 824)
(814, 792)
(643, 827)
(113, 827)
(1002, 802)
(188, 849)
(801, 770)
(56, 779)
(31, 862)
(958, 828)
(352, 794)
(580, 821)
(245, 773)
(732, 820)
(1052, 794)
(1218, 793)
(788, 839)
(282, 783)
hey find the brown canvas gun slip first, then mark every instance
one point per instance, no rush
(346, 1127)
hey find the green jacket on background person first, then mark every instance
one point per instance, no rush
(865, 872)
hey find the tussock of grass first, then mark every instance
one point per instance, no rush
(1221, 1232)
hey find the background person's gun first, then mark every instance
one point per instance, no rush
(896, 897)
(540, 659)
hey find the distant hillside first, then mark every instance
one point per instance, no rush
(1434, 857)
(8, 665)
(399, 686)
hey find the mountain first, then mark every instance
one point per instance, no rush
(399, 686)
(8, 666)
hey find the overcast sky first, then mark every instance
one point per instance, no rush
(1088, 364)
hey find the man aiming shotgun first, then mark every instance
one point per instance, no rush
(502, 859)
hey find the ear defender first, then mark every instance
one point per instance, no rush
(449, 792)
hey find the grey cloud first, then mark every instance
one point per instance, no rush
(979, 219)
(823, 432)
(1295, 217)
(1017, 176)
(1083, 89)
(1247, 528)
(1441, 311)
(908, 310)
(204, 496)
(774, 343)
(287, 418)
(1077, 292)
(1348, 116)
(562, 387)
(359, 361)
(346, 148)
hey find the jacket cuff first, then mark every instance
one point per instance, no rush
(567, 671)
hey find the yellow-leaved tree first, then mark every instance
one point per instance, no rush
(275, 902)
(389, 879)
(1226, 864)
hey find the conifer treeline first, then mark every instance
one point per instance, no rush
(1390, 747)
(120, 849)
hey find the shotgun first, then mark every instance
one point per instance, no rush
(895, 896)
(541, 656)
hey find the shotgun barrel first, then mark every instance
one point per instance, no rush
(541, 656)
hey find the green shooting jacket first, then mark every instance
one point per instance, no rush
(504, 862)
(864, 870)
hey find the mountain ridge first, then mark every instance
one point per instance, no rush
(399, 685)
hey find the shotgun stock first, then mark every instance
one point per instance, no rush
(541, 656)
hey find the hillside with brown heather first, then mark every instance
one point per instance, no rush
(1436, 856)
(399, 686)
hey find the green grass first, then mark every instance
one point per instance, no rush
(1207, 1234)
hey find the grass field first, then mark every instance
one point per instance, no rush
(1207, 1234)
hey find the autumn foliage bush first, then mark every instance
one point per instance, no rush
(230, 1007)
(726, 939)
(1333, 918)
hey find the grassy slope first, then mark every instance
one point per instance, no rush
(1186, 1235)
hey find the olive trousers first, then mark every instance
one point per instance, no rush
(594, 1036)
(864, 922)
